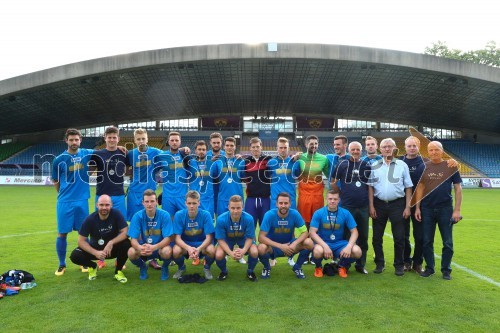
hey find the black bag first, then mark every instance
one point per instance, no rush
(331, 269)
(16, 277)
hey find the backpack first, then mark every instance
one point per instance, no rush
(16, 277)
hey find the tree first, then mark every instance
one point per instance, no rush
(490, 55)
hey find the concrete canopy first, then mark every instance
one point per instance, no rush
(239, 79)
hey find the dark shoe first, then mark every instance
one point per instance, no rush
(446, 275)
(427, 273)
(418, 269)
(222, 276)
(407, 267)
(361, 270)
(154, 264)
(400, 271)
(379, 269)
(252, 277)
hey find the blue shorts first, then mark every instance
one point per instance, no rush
(118, 203)
(222, 207)
(70, 215)
(240, 243)
(277, 252)
(134, 204)
(337, 247)
(173, 205)
(208, 205)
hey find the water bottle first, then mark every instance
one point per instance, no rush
(28, 285)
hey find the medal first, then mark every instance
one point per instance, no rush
(149, 240)
(230, 180)
(332, 237)
(100, 241)
(358, 184)
(111, 172)
(202, 183)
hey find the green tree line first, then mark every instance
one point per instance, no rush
(489, 55)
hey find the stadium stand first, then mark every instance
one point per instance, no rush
(483, 157)
(9, 149)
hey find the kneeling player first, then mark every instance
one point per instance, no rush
(327, 231)
(276, 236)
(235, 227)
(108, 239)
(193, 229)
(151, 232)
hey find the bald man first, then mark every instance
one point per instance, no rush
(103, 235)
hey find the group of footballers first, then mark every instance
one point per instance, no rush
(204, 215)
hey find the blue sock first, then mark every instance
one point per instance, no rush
(209, 261)
(222, 265)
(303, 255)
(180, 262)
(252, 262)
(61, 245)
(265, 260)
(318, 262)
(166, 262)
(138, 262)
(346, 262)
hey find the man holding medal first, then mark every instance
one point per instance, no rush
(107, 230)
(150, 231)
(327, 232)
(353, 175)
(235, 234)
(277, 236)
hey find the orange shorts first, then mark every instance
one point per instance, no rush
(310, 200)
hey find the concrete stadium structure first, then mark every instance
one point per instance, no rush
(343, 82)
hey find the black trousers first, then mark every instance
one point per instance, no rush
(392, 211)
(119, 251)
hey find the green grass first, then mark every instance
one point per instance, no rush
(382, 303)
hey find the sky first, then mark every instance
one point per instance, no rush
(37, 34)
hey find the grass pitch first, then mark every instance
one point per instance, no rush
(382, 303)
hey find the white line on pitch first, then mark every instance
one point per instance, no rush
(468, 270)
(28, 234)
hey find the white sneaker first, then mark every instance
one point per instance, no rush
(291, 262)
(242, 261)
(272, 262)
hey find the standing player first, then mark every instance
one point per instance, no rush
(313, 166)
(71, 180)
(235, 234)
(371, 146)
(193, 229)
(277, 236)
(108, 239)
(214, 154)
(340, 147)
(353, 174)
(226, 173)
(151, 234)
(199, 176)
(258, 182)
(175, 182)
(327, 231)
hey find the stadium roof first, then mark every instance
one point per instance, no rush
(239, 79)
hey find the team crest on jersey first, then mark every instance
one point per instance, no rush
(192, 224)
(283, 223)
(152, 224)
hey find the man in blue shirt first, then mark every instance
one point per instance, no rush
(194, 235)
(214, 154)
(340, 147)
(151, 233)
(327, 232)
(235, 234)
(103, 235)
(353, 176)
(389, 195)
(71, 181)
(277, 236)
(371, 146)
(437, 208)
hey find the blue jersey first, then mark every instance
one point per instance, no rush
(331, 225)
(334, 160)
(281, 230)
(416, 167)
(284, 174)
(193, 230)
(143, 169)
(110, 171)
(353, 178)
(372, 160)
(226, 172)
(210, 153)
(143, 228)
(174, 174)
(199, 177)
(71, 171)
(235, 232)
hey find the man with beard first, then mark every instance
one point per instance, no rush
(340, 147)
(103, 235)
(277, 236)
(214, 154)
(199, 176)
